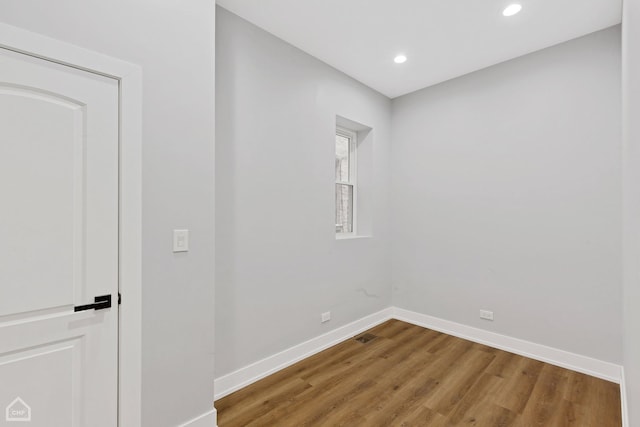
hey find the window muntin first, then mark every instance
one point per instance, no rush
(345, 187)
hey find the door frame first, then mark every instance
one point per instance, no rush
(129, 77)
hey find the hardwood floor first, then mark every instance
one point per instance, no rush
(411, 376)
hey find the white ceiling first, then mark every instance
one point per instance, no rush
(442, 38)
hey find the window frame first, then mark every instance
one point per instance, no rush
(353, 177)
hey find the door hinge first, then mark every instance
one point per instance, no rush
(119, 298)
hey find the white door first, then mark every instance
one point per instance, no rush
(58, 244)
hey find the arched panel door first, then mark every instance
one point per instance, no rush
(58, 244)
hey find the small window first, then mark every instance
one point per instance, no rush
(345, 181)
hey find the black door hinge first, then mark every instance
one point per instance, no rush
(119, 298)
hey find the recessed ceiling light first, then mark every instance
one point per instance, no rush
(512, 9)
(400, 59)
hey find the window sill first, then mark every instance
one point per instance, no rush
(351, 236)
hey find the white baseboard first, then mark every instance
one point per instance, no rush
(208, 419)
(575, 362)
(623, 399)
(236, 380)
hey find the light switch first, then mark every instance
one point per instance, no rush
(180, 240)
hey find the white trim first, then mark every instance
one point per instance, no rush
(623, 399)
(130, 83)
(575, 362)
(236, 380)
(352, 136)
(208, 419)
(34, 44)
(130, 334)
(243, 377)
(351, 236)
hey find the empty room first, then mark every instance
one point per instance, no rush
(319, 213)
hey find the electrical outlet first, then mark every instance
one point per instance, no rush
(325, 317)
(486, 314)
(180, 240)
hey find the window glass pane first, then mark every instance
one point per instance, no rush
(344, 208)
(342, 158)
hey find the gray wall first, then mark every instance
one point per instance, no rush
(278, 264)
(173, 41)
(478, 162)
(631, 127)
(507, 197)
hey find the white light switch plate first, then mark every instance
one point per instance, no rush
(180, 240)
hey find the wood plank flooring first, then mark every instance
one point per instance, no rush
(411, 376)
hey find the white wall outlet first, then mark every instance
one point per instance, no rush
(325, 317)
(486, 314)
(180, 240)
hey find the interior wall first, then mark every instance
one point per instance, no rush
(550, 138)
(173, 41)
(631, 226)
(278, 263)
(506, 197)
